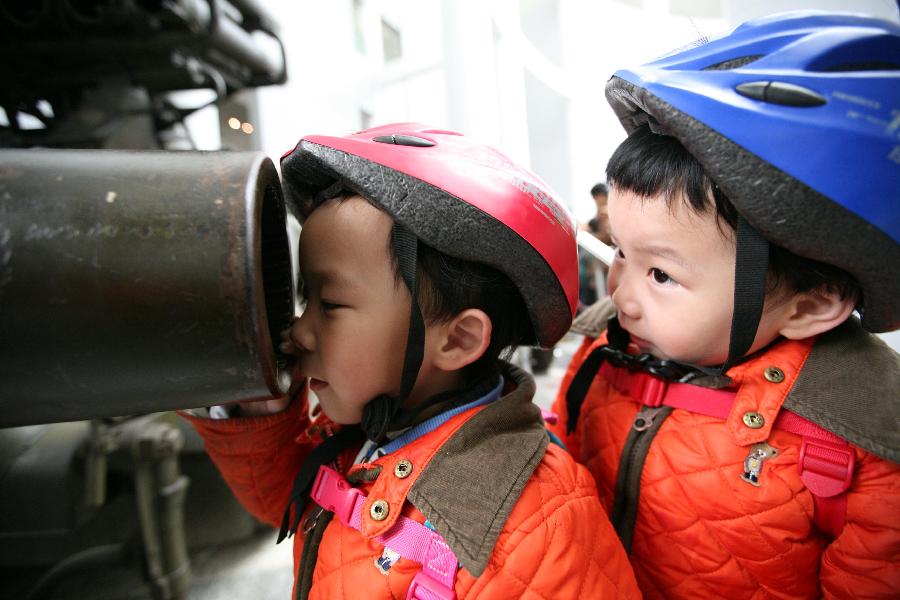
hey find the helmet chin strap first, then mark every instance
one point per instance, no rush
(380, 411)
(751, 265)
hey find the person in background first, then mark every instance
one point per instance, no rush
(426, 471)
(739, 419)
(591, 271)
(600, 194)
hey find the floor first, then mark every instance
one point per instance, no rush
(254, 567)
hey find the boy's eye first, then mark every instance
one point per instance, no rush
(326, 305)
(660, 276)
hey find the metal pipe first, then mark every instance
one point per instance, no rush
(160, 493)
(236, 43)
(254, 12)
(135, 282)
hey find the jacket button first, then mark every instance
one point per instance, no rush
(379, 510)
(774, 374)
(753, 420)
(403, 469)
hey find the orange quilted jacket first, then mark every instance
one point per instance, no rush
(701, 531)
(521, 516)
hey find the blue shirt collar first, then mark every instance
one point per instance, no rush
(429, 425)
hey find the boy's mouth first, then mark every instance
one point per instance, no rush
(316, 385)
(639, 342)
(637, 345)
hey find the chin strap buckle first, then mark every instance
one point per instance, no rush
(333, 493)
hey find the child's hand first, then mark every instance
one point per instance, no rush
(259, 408)
(275, 405)
(287, 345)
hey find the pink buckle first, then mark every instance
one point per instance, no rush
(826, 468)
(549, 416)
(425, 587)
(332, 492)
(647, 389)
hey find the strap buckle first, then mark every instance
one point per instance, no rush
(549, 416)
(425, 587)
(826, 468)
(333, 493)
(647, 389)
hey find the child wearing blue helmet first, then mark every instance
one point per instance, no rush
(737, 413)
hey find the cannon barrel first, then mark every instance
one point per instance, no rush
(135, 282)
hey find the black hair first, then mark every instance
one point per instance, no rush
(650, 164)
(599, 189)
(449, 285)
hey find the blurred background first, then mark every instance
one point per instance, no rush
(525, 75)
(84, 507)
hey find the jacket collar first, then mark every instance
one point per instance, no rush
(592, 320)
(850, 385)
(846, 380)
(499, 448)
(468, 474)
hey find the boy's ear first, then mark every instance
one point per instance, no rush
(815, 312)
(465, 339)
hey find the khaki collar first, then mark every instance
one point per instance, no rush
(850, 385)
(467, 475)
(846, 380)
(468, 490)
(592, 320)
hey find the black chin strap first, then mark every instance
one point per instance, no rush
(614, 352)
(751, 264)
(380, 412)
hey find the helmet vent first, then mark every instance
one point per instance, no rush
(733, 63)
(403, 140)
(866, 66)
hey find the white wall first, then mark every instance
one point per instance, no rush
(526, 75)
(485, 68)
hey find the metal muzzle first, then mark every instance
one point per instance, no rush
(135, 282)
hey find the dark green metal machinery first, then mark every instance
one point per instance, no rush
(135, 282)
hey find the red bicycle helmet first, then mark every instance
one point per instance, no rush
(461, 197)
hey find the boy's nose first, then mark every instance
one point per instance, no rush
(620, 293)
(301, 332)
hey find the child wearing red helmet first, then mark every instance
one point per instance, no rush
(740, 421)
(426, 472)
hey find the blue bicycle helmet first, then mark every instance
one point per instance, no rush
(796, 117)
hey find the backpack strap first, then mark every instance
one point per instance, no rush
(408, 538)
(826, 460)
(826, 468)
